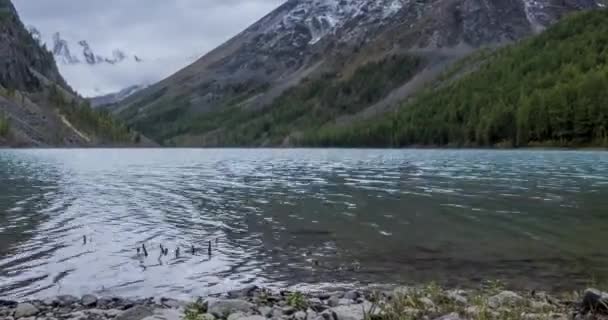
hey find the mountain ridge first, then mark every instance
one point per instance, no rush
(305, 39)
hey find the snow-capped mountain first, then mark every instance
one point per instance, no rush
(114, 97)
(304, 39)
(68, 54)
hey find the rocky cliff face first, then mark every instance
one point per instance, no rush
(304, 38)
(37, 107)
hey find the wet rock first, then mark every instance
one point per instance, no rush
(167, 314)
(451, 316)
(223, 308)
(324, 296)
(8, 303)
(66, 300)
(243, 293)
(595, 300)
(88, 300)
(345, 302)
(25, 310)
(172, 303)
(505, 298)
(135, 313)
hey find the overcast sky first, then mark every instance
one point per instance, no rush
(167, 34)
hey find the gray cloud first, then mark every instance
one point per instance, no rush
(165, 33)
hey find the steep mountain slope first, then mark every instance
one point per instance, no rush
(319, 39)
(108, 101)
(37, 108)
(551, 90)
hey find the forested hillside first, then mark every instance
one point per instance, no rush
(550, 90)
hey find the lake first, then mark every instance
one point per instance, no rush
(311, 218)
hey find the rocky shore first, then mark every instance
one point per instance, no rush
(253, 303)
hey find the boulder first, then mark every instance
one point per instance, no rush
(25, 310)
(88, 300)
(224, 307)
(135, 313)
(595, 300)
(505, 299)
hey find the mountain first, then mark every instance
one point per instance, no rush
(242, 93)
(550, 90)
(84, 53)
(37, 107)
(113, 98)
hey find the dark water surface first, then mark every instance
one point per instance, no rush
(282, 217)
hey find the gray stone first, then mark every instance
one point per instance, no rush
(66, 300)
(300, 315)
(351, 312)
(311, 314)
(352, 295)
(451, 316)
(253, 317)
(88, 300)
(345, 302)
(222, 308)
(25, 310)
(166, 314)
(135, 313)
(456, 297)
(172, 303)
(243, 293)
(428, 303)
(505, 298)
(49, 302)
(327, 315)
(595, 300)
(78, 315)
(333, 301)
(236, 316)
(265, 311)
(288, 310)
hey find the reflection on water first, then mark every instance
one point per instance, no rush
(283, 217)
